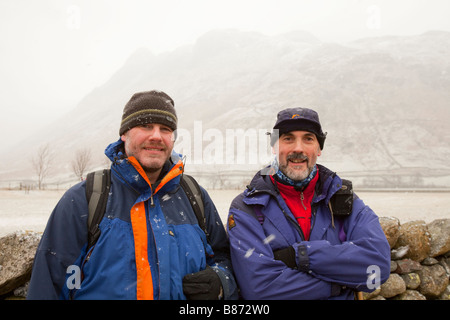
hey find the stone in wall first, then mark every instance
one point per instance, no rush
(391, 228)
(433, 281)
(440, 237)
(412, 280)
(393, 286)
(405, 266)
(414, 234)
(17, 251)
(410, 295)
(446, 294)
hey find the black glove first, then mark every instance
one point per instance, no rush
(287, 255)
(202, 285)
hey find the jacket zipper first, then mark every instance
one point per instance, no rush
(151, 201)
(290, 219)
(313, 217)
(302, 197)
(156, 253)
(295, 224)
(85, 260)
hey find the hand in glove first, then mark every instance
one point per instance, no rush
(202, 285)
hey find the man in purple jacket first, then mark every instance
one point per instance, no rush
(298, 231)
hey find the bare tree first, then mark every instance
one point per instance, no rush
(42, 163)
(81, 162)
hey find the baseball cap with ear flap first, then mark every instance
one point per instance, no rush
(298, 119)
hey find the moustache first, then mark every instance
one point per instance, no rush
(154, 145)
(297, 156)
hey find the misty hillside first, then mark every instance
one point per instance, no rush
(385, 103)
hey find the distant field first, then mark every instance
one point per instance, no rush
(406, 206)
(30, 211)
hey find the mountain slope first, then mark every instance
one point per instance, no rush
(385, 102)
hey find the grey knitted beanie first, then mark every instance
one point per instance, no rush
(149, 107)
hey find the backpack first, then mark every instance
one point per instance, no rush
(97, 191)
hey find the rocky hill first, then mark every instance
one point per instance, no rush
(385, 103)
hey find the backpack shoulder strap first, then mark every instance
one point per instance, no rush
(97, 191)
(341, 202)
(194, 194)
(252, 210)
(341, 206)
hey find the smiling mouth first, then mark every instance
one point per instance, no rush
(297, 163)
(154, 148)
(297, 159)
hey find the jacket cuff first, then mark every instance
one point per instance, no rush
(227, 293)
(302, 258)
(335, 290)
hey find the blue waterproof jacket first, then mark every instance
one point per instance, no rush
(341, 256)
(140, 254)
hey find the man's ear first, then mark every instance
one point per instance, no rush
(275, 147)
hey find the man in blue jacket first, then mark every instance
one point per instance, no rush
(298, 231)
(150, 245)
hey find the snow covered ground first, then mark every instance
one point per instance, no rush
(406, 206)
(30, 211)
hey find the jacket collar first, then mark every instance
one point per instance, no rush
(261, 187)
(130, 172)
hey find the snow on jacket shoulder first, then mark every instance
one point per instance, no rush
(328, 266)
(147, 237)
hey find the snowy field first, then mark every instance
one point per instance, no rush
(30, 211)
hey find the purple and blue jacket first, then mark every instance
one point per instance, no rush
(342, 255)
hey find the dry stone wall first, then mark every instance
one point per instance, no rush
(420, 261)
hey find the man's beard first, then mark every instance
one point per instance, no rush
(152, 167)
(294, 174)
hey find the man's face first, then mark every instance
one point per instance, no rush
(297, 154)
(151, 144)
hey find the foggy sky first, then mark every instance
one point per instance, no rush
(54, 52)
